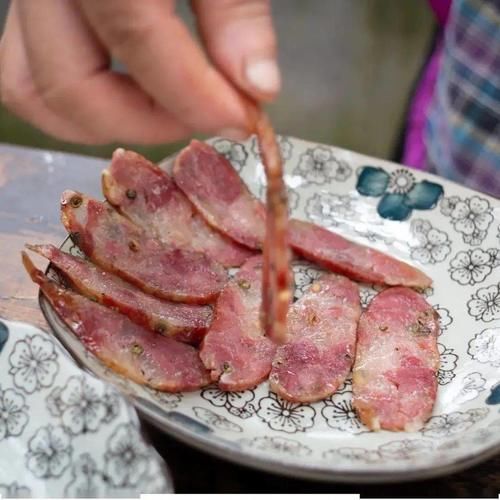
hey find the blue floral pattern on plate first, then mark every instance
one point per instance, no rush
(494, 397)
(400, 193)
(4, 335)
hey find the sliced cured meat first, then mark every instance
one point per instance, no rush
(127, 348)
(321, 340)
(217, 191)
(148, 196)
(184, 322)
(276, 280)
(213, 185)
(351, 259)
(119, 246)
(397, 359)
(235, 349)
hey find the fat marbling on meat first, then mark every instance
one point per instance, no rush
(212, 184)
(148, 195)
(123, 248)
(215, 188)
(320, 344)
(184, 322)
(397, 360)
(351, 259)
(129, 349)
(235, 349)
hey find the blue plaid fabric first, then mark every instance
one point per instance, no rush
(462, 134)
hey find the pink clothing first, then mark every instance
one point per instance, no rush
(441, 10)
(414, 154)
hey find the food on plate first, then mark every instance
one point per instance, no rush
(321, 338)
(144, 357)
(212, 184)
(235, 349)
(397, 360)
(158, 253)
(276, 275)
(184, 322)
(356, 261)
(148, 196)
(217, 191)
(118, 245)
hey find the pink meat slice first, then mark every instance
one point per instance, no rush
(276, 275)
(353, 260)
(321, 340)
(397, 360)
(148, 196)
(235, 349)
(215, 188)
(127, 348)
(118, 245)
(184, 322)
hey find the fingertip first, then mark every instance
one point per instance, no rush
(240, 40)
(263, 77)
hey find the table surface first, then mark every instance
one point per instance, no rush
(31, 182)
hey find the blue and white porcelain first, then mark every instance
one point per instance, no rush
(64, 432)
(450, 232)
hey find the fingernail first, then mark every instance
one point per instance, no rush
(264, 75)
(233, 133)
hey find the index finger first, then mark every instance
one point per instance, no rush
(161, 56)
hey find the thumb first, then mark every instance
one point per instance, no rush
(240, 39)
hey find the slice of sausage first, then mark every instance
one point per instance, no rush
(212, 184)
(351, 259)
(397, 359)
(321, 340)
(148, 196)
(116, 244)
(217, 191)
(127, 348)
(276, 275)
(184, 322)
(235, 349)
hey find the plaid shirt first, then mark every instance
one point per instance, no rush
(462, 130)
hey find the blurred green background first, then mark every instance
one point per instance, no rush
(348, 69)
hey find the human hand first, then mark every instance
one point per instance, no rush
(55, 68)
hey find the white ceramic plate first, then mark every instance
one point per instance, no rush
(451, 233)
(63, 432)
